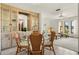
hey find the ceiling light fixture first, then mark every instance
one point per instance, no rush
(58, 9)
(60, 13)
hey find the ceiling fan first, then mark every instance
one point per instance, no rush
(60, 13)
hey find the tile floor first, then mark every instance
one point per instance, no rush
(58, 50)
(69, 43)
(64, 46)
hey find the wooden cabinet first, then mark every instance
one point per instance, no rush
(13, 25)
(9, 24)
(5, 19)
(34, 21)
(6, 41)
(14, 19)
(0, 29)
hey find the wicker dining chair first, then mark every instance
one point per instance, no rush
(21, 44)
(51, 41)
(36, 44)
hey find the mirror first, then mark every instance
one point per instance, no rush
(23, 22)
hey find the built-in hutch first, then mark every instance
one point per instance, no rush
(9, 22)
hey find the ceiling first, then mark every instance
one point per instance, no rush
(69, 9)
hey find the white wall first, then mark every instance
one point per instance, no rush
(47, 19)
(54, 24)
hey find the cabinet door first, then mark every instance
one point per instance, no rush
(34, 22)
(14, 20)
(0, 20)
(14, 25)
(6, 41)
(0, 28)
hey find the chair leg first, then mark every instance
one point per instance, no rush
(78, 53)
(43, 52)
(17, 51)
(27, 51)
(50, 48)
(53, 50)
